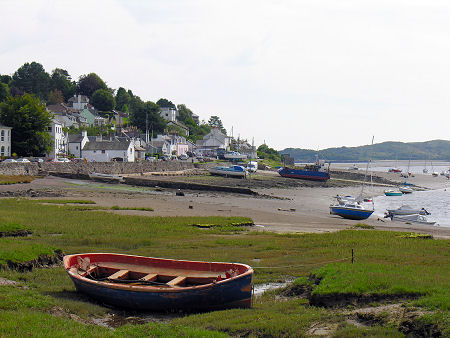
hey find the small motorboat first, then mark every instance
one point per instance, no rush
(351, 210)
(392, 192)
(407, 210)
(405, 189)
(158, 284)
(233, 171)
(414, 218)
(395, 170)
(105, 177)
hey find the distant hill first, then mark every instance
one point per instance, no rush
(430, 150)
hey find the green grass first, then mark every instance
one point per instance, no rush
(11, 227)
(363, 226)
(385, 263)
(116, 207)
(66, 201)
(14, 179)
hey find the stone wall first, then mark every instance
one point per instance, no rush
(84, 168)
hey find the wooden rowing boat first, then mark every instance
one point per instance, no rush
(158, 284)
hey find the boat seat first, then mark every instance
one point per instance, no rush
(176, 281)
(121, 274)
(150, 277)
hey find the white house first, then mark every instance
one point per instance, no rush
(213, 140)
(168, 114)
(59, 139)
(5, 141)
(98, 149)
(77, 142)
(78, 102)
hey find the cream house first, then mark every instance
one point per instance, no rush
(5, 141)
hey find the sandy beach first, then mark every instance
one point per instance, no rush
(299, 209)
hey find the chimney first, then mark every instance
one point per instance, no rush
(84, 133)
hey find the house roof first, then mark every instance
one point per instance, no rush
(179, 124)
(83, 98)
(106, 145)
(74, 138)
(5, 127)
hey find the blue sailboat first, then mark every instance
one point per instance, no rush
(354, 208)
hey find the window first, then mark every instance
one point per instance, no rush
(76, 147)
(9, 132)
(3, 135)
(2, 151)
(103, 151)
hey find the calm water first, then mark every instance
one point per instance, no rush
(437, 202)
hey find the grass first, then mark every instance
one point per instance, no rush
(11, 227)
(385, 263)
(66, 201)
(363, 226)
(116, 207)
(14, 179)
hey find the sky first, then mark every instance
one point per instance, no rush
(306, 74)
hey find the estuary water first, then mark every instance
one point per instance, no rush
(437, 202)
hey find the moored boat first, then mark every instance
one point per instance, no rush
(392, 192)
(158, 284)
(105, 177)
(414, 218)
(405, 189)
(407, 210)
(351, 210)
(233, 171)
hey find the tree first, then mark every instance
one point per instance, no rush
(55, 96)
(164, 103)
(265, 152)
(61, 80)
(4, 91)
(30, 121)
(88, 84)
(103, 100)
(196, 132)
(146, 110)
(6, 79)
(122, 99)
(33, 79)
(214, 121)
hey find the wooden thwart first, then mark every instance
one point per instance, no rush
(151, 277)
(176, 281)
(119, 274)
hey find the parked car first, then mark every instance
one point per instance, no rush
(23, 160)
(184, 157)
(37, 160)
(60, 160)
(151, 158)
(9, 160)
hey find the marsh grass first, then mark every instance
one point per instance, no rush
(66, 201)
(6, 227)
(116, 207)
(384, 263)
(18, 250)
(14, 179)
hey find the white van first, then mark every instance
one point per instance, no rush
(252, 166)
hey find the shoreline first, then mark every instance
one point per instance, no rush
(300, 209)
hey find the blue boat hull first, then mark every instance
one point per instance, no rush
(304, 174)
(350, 213)
(231, 294)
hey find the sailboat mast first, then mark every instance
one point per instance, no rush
(360, 197)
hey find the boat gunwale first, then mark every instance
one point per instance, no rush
(149, 288)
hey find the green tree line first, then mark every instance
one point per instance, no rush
(58, 86)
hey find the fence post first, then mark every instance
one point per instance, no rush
(352, 256)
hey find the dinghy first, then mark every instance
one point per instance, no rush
(158, 284)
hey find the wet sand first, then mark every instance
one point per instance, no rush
(300, 209)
